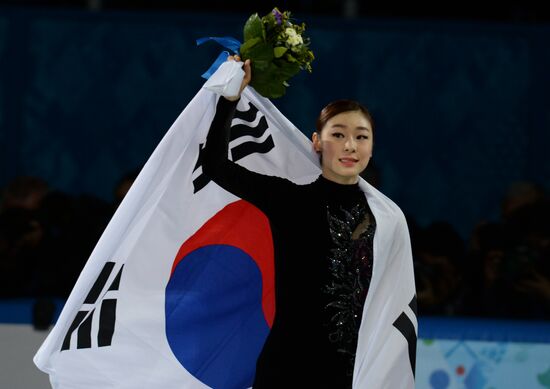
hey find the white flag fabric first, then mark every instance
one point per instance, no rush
(176, 294)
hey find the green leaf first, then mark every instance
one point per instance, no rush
(288, 70)
(290, 58)
(268, 82)
(279, 51)
(261, 52)
(271, 82)
(270, 90)
(247, 45)
(261, 56)
(253, 28)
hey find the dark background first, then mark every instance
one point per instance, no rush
(459, 93)
(529, 11)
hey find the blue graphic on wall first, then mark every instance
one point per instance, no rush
(460, 364)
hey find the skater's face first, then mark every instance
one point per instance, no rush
(345, 145)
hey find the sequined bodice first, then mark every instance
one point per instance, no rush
(350, 268)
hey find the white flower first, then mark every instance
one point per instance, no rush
(293, 38)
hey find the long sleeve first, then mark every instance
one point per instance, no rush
(217, 142)
(265, 192)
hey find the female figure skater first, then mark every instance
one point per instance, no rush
(323, 244)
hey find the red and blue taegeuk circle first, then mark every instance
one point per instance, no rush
(220, 298)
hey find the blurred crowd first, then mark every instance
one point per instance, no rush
(501, 270)
(46, 236)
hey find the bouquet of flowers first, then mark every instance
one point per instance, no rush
(277, 50)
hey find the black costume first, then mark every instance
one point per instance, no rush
(323, 234)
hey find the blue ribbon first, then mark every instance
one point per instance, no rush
(225, 41)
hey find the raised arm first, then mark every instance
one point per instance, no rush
(265, 192)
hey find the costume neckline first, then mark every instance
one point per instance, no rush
(332, 187)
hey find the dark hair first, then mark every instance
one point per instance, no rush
(338, 107)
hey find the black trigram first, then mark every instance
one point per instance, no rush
(82, 322)
(405, 325)
(244, 149)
